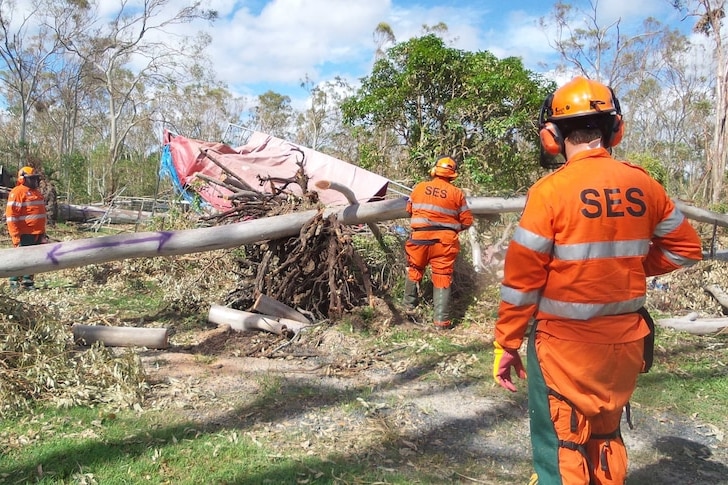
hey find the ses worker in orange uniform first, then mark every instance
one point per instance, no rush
(438, 213)
(25, 215)
(590, 234)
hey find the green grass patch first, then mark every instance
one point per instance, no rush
(689, 376)
(79, 445)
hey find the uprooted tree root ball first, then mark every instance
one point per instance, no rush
(319, 270)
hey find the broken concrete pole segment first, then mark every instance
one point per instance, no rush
(151, 338)
(242, 321)
(270, 306)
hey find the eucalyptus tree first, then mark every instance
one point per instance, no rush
(273, 114)
(710, 23)
(383, 38)
(597, 50)
(27, 50)
(200, 110)
(441, 100)
(318, 125)
(130, 55)
(669, 110)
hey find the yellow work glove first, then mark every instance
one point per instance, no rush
(502, 364)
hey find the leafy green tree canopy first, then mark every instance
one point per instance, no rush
(470, 105)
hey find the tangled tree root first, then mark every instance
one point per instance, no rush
(319, 271)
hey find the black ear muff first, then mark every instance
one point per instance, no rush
(551, 139)
(617, 132)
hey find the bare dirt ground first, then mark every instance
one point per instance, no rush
(329, 393)
(382, 395)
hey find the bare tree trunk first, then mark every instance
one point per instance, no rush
(720, 131)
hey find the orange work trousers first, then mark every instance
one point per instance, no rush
(577, 391)
(439, 255)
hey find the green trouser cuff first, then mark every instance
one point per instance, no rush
(544, 441)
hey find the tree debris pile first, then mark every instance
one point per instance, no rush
(38, 362)
(319, 271)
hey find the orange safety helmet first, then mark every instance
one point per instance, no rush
(26, 172)
(580, 103)
(445, 167)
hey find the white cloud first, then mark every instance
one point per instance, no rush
(290, 39)
(277, 43)
(520, 36)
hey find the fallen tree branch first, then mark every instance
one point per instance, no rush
(81, 252)
(233, 175)
(351, 198)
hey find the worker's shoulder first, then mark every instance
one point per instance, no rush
(632, 165)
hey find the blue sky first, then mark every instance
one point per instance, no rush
(260, 45)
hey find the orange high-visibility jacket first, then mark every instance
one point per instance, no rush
(590, 234)
(25, 212)
(438, 210)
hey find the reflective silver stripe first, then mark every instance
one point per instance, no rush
(596, 250)
(26, 204)
(670, 223)
(435, 208)
(533, 241)
(585, 311)
(677, 259)
(423, 221)
(26, 218)
(464, 208)
(518, 298)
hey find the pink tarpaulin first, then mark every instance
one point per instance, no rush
(267, 156)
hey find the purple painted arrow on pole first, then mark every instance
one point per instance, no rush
(160, 237)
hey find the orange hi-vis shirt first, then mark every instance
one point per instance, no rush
(25, 212)
(439, 210)
(590, 234)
